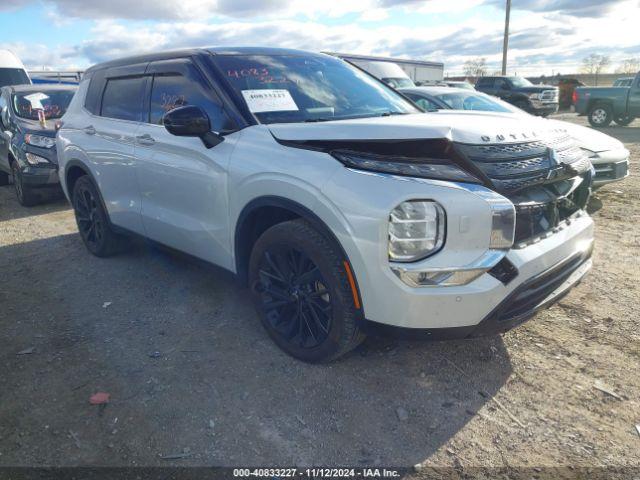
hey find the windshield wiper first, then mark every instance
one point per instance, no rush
(388, 114)
(319, 119)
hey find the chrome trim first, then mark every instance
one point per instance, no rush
(446, 276)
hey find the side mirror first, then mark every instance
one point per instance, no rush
(191, 121)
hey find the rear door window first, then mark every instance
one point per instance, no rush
(123, 99)
(174, 90)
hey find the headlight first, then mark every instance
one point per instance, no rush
(416, 230)
(534, 96)
(39, 141)
(436, 169)
(35, 159)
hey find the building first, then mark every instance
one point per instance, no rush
(420, 71)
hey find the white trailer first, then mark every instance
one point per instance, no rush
(419, 71)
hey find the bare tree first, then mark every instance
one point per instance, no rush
(629, 66)
(476, 67)
(595, 64)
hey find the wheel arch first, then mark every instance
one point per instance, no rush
(594, 102)
(73, 170)
(262, 213)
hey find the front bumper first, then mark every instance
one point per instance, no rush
(546, 270)
(610, 166)
(41, 176)
(543, 108)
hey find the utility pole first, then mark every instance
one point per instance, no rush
(505, 45)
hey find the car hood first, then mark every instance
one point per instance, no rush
(536, 89)
(589, 138)
(31, 126)
(455, 126)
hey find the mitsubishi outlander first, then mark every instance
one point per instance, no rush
(333, 197)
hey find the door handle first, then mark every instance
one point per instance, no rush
(145, 139)
(89, 130)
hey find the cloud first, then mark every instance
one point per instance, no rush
(578, 8)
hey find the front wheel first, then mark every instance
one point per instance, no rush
(624, 120)
(92, 220)
(26, 196)
(600, 116)
(305, 293)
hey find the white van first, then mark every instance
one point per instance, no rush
(12, 71)
(390, 73)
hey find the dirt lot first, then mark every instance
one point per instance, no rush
(191, 372)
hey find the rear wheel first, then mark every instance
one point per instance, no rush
(92, 220)
(600, 116)
(303, 293)
(25, 195)
(623, 121)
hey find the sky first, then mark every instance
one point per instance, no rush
(547, 36)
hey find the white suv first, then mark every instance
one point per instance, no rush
(332, 196)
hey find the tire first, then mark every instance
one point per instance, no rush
(92, 220)
(4, 179)
(302, 292)
(600, 116)
(624, 121)
(26, 196)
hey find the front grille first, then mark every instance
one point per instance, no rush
(549, 96)
(515, 166)
(548, 180)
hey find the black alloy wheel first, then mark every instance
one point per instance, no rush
(295, 300)
(305, 292)
(92, 220)
(89, 221)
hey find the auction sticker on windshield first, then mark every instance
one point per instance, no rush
(269, 100)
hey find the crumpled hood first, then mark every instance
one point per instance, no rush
(457, 127)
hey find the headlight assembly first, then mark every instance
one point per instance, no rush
(534, 96)
(39, 140)
(416, 230)
(437, 169)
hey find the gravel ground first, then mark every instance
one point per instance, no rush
(191, 372)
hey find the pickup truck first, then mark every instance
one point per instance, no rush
(604, 104)
(535, 99)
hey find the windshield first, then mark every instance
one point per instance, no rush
(289, 89)
(399, 82)
(13, 76)
(520, 82)
(53, 103)
(475, 101)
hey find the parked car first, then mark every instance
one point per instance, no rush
(623, 82)
(605, 104)
(12, 71)
(608, 155)
(27, 138)
(535, 99)
(329, 194)
(455, 84)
